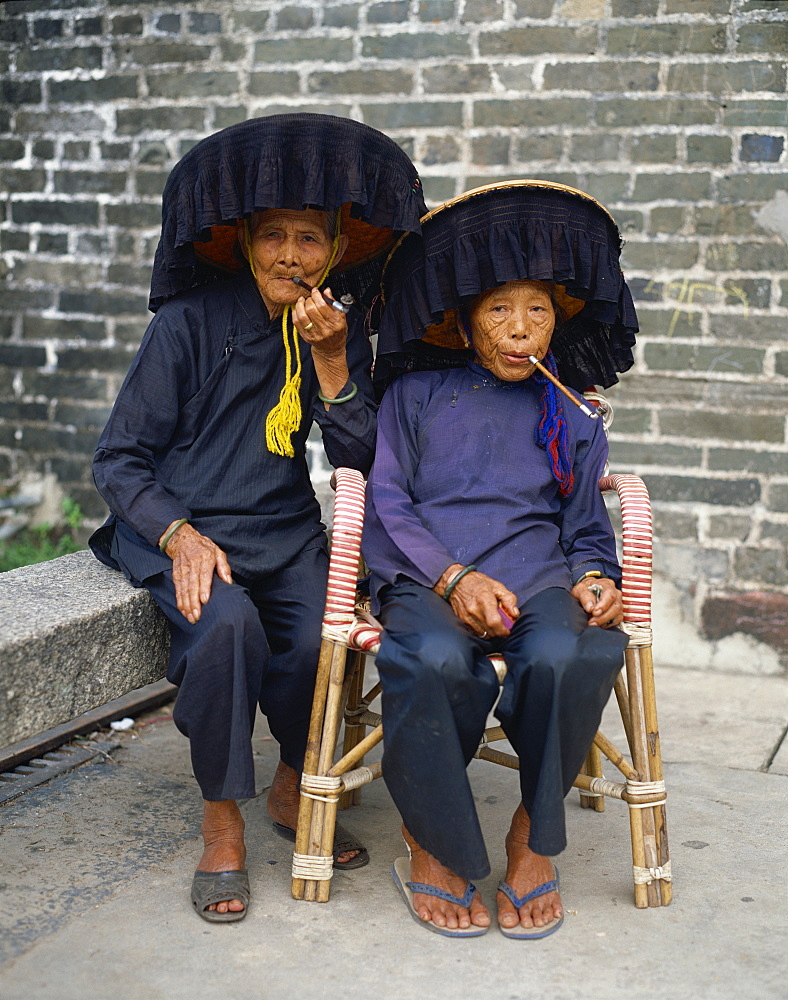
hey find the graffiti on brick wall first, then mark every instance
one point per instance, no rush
(690, 292)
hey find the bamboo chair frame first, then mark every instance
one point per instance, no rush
(349, 634)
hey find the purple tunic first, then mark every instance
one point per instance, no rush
(458, 478)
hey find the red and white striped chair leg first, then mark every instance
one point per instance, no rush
(320, 791)
(645, 790)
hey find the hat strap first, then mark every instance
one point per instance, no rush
(285, 417)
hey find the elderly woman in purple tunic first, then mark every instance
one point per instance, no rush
(486, 532)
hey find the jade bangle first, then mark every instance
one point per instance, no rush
(456, 579)
(166, 540)
(340, 399)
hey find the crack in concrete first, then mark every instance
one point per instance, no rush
(775, 750)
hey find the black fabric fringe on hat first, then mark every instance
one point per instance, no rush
(511, 234)
(292, 161)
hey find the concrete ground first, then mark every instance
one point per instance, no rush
(95, 870)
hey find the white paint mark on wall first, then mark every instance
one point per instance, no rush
(774, 215)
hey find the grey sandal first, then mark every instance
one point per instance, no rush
(219, 887)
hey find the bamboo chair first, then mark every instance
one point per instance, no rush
(350, 634)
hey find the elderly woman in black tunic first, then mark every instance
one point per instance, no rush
(203, 460)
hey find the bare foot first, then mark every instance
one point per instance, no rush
(425, 868)
(223, 836)
(524, 872)
(284, 800)
(283, 797)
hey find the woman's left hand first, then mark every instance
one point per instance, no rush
(321, 325)
(605, 611)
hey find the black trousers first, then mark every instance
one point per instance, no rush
(257, 642)
(438, 689)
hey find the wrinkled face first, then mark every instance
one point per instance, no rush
(287, 243)
(510, 322)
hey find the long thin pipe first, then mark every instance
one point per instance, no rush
(582, 406)
(341, 305)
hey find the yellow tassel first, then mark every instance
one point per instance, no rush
(285, 418)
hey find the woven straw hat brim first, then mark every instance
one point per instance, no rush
(365, 243)
(529, 182)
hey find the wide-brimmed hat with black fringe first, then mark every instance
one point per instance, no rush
(290, 161)
(509, 231)
(295, 162)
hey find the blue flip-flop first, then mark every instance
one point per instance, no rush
(400, 872)
(530, 933)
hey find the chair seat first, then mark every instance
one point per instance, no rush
(365, 634)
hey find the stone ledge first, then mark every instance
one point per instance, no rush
(74, 635)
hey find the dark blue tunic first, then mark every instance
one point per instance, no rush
(186, 437)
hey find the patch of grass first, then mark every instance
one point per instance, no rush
(43, 542)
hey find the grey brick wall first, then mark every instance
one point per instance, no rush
(671, 112)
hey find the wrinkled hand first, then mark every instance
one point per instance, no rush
(605, 612)
(327, 338)
(476, 599)
(328, 333)
(194, 560)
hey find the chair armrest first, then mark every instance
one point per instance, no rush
(636, 563)
(345, 553)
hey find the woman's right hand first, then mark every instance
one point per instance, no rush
(194, 560)
(476, 601)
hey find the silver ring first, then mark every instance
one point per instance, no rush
(483, 635)
(308, 327)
